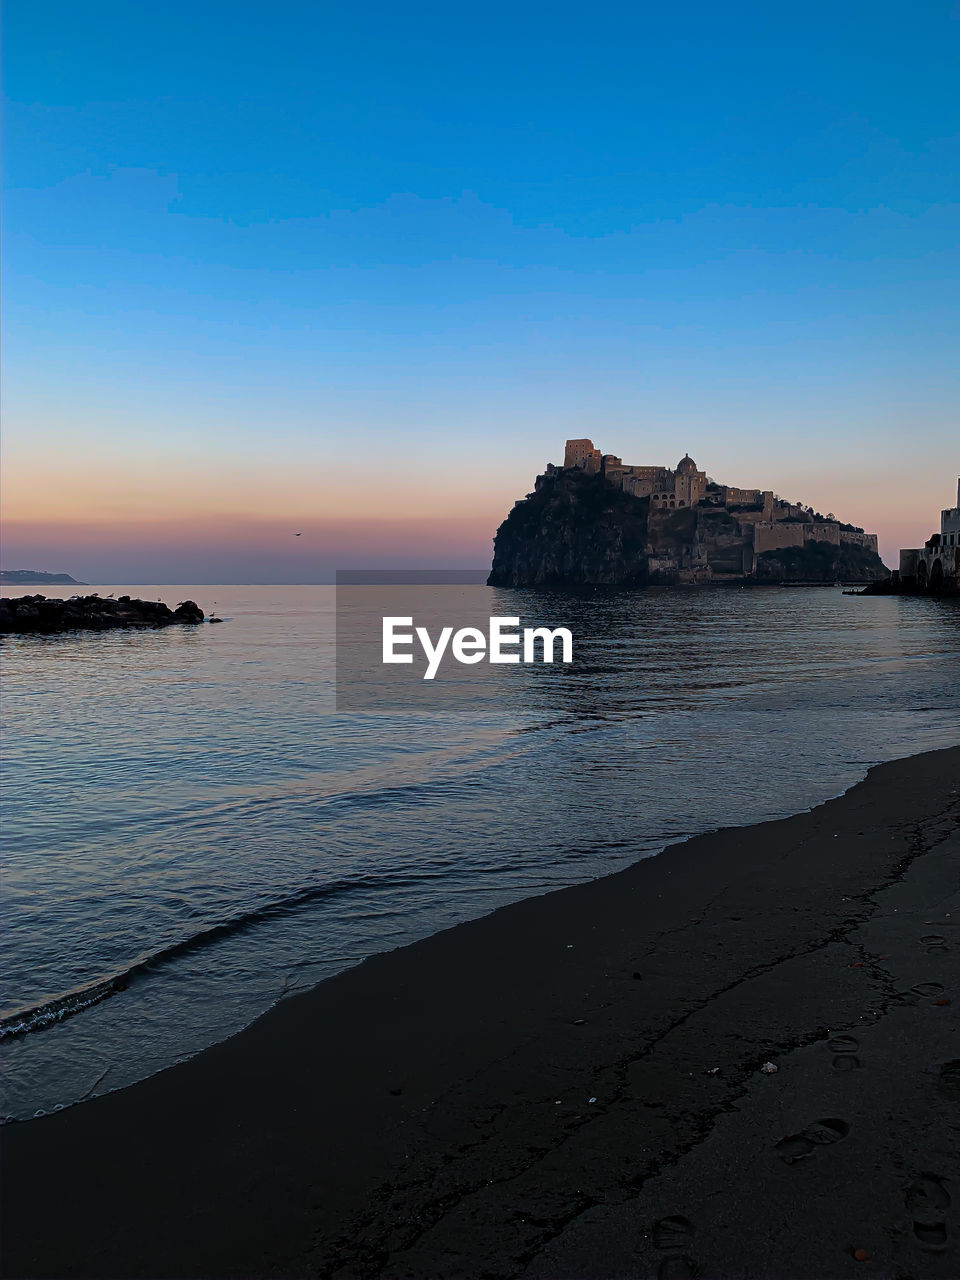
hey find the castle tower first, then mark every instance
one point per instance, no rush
(582, 454)
(690, 484)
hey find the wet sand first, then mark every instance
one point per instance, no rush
(572, 1086)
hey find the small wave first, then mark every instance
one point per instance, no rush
(43, 1015)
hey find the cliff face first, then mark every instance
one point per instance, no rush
(728, 551)
(575, 530)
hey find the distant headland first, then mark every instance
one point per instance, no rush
(596, 520)
(37, 578)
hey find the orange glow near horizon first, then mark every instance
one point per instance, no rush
(82, 516)
(238, 548)
(173, 492)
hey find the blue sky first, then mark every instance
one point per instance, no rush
(309, 260)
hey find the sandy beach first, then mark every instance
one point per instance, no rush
(573, 1086)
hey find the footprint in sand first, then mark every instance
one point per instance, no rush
(922, 991)
(927, 1200)
(927, 990)
(931, 1235)
(674, 1235)
(933, 942)
(844, 1049)
(676, 1268)
(822, 1133)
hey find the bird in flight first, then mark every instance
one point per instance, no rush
(298, 535)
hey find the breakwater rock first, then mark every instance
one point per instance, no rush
(39, 614)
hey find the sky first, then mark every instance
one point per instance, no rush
(357, 270)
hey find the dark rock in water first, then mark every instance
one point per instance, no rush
(188, 611)
(25, 614)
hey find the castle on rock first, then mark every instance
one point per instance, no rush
(764, 521)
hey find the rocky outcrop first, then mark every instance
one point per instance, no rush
(820, 562)
(574, 530)
(578, 529)
(25, 614)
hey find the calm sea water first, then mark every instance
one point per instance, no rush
(192, 831)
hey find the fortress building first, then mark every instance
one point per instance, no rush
(935, 567)
(747, 523)
(681, 488)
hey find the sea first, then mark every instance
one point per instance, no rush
(195, 827)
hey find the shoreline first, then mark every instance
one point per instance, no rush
(101, 988)
(20, 1022)
(530, 1092)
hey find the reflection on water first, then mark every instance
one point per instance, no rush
(192, 831)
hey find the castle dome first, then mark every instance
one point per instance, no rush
(686, 466)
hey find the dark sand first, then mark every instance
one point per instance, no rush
(533, 1094)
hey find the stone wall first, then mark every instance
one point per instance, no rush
(826, 532)
(860, 539)
(742, 497)
(909, 559)
(771, 536)
(938, 569)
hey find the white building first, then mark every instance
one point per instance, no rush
(935, 567)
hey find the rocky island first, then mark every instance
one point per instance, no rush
(597, 522)
(37, 614)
